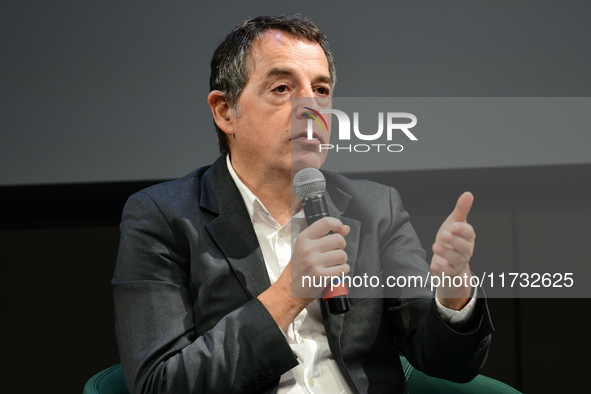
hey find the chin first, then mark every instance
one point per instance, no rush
(306, 160)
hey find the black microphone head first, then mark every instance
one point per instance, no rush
(309, 182)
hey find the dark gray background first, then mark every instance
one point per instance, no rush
(463, 132)
(115, 91)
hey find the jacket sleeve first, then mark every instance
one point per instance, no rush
(423, 337)
(160, 350)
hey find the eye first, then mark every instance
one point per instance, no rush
(280, 89)
(323, 91)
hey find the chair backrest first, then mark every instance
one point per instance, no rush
(109, 381)
(420, 383)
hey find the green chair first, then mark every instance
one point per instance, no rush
(110, 381)
(419, 383)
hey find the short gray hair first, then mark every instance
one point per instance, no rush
(229, 64)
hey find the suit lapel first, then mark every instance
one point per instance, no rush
(337, 202)
(233, 232)
(232, 229)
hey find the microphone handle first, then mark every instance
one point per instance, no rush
(315, 208)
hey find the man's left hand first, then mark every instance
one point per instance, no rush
(453, 248)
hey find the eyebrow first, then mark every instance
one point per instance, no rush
(277, 71)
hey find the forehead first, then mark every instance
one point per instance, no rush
(274, 46)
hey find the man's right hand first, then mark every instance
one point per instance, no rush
(317, 254)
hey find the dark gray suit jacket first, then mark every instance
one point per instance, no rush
(190, 268)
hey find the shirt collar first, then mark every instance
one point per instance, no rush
(249, 198)
(254, 206)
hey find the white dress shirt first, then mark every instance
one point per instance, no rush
(317, 371)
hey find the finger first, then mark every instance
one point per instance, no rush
(333, 262)
(333, 258)
(460, 212)
(324, 226)
(439, 265)
(337, 270)
(346, 230)
(330, 242)
(464, 230)
(457, 243)
(452, 256)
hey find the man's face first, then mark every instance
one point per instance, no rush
(281, 67)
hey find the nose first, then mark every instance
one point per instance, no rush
(305, 90)
(305, 106)
(305, 96)
(312, 115)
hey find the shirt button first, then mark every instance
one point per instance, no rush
(281, 232)
(304, 337)
(311, 381)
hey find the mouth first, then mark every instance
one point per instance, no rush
(303, 136)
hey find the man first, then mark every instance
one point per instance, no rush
(205, 279)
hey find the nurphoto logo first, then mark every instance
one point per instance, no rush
(344, 122)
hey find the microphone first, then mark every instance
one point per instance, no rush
(309, 184)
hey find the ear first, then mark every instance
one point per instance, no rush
(221, 111)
